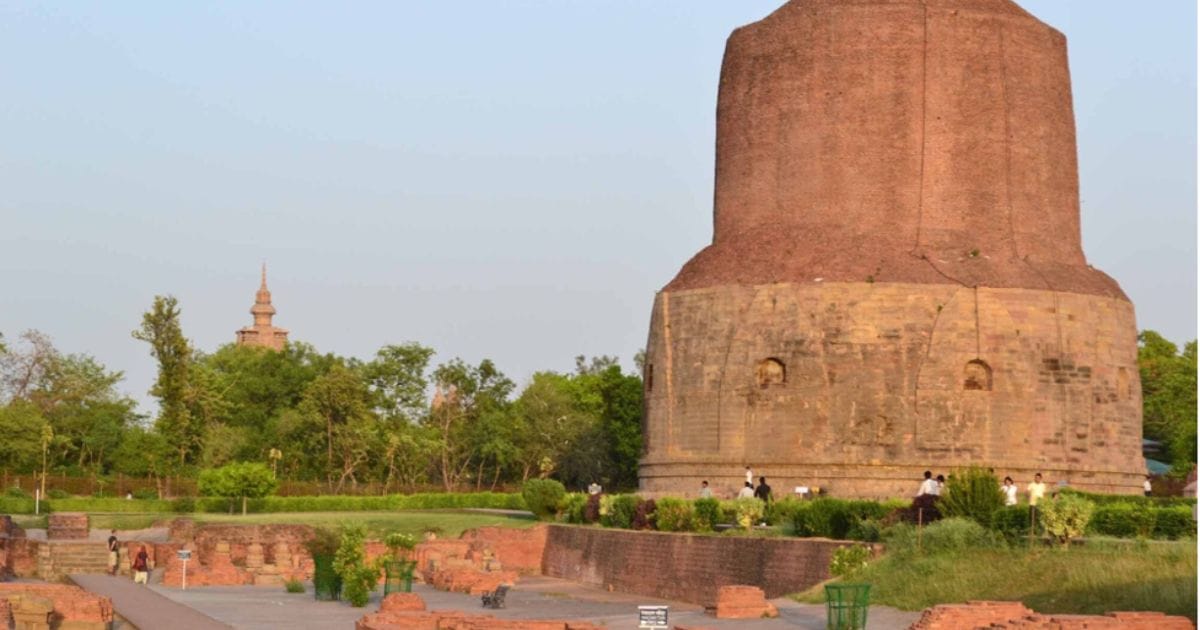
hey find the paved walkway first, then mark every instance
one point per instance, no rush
(534, 597)
(145, 608)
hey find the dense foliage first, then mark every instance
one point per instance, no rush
(312, 416)
(1169, 397)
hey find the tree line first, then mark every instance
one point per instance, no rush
(315, 416)
(318, 416)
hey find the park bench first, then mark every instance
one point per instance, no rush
(495, 599)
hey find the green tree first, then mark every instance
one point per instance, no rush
(161, 329)
(1169, 396)
(21, 425)
(465, 395)
(340, 403)
(145, 453)
(243, 481)
(397, 380)
(550, 424)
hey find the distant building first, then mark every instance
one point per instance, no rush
(262, 333)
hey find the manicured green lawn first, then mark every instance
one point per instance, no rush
(449, 523)
(1095, 578)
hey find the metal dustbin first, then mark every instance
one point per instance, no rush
(398, 576)
(846, 606)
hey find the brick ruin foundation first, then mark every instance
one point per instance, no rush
(1015, 616)
(67, 607)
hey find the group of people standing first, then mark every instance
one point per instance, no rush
(762, 491)
(1035, 490)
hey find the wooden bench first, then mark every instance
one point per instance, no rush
(495, 599)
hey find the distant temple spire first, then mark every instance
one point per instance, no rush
(262, 333)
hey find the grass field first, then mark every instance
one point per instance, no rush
(448, 523)
(1096, 578)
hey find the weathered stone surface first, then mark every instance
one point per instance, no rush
(67, 526)
(401, 602)
(685, 567)
(743, 602)
(896, 279)
(67, 605)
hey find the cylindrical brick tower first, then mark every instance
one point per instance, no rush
(896, 281)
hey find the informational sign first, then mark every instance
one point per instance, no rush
(653, 618)
(185, 555)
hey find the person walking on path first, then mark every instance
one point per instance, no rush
(113, 555)
(747, 491)
(1146, 486)
(705, 491)
(749, 475)
(941, 484)
(141, 566)
(1010, 491)
(763, 491)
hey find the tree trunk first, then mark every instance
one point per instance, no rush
(243, 506)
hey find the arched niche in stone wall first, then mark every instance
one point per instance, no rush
(977, 376)
(770, 371)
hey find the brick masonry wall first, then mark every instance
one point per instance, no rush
(71, 603)
(684, 567)
(874, 387)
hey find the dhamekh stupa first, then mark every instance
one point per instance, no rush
(896, 280)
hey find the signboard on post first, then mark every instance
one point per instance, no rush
(653, 618)
(185, 555)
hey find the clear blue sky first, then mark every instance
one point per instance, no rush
(510, 180)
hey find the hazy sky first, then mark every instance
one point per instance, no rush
(511, 180)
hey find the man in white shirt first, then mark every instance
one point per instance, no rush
(749, 476)
(705, 491)
(929, 486)
(1036, 490)
(747, 491)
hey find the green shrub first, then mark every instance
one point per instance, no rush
(866, 530)
(835, 518)
(143, 493)
(1174, 522)
(571, 507)
(542, 496)
(1104, 499)
(1065, 517)
(949, 535)
(675, 515)
(112, 504)
(350, 562)
(707, 513)
(184, 505)
(14, 492)
(783, 511)
(325, 542)
(1123, 520)
(398, 542)
(749, 511)
(972, 493)
(242, 480)
(847, 560)
(59, 494)
(294, 586)
(1013, 523)
(621, 510)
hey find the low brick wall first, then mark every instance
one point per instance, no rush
(73, 606)
(67, 526)
(685, 567)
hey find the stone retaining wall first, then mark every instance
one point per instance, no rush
(685, 567)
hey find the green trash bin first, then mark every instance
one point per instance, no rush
(398, 576)
(327, 584)
(846, 606)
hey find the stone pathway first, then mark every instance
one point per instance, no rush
(534, 597)
(145, 608)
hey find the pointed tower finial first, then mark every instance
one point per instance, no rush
(264, 274)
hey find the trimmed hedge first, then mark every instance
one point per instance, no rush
(326, 503)
(1105, 499)
(1144, 520)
